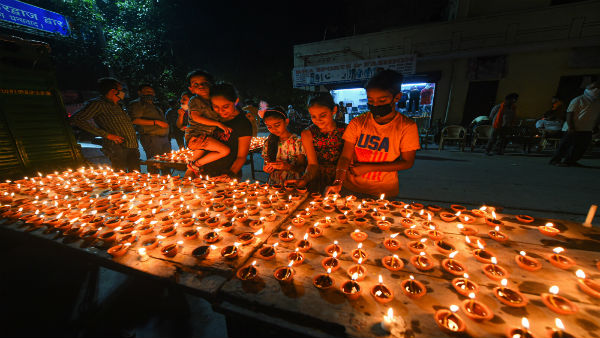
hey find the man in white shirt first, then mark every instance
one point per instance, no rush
(583, 116)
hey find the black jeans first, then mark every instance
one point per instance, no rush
(572, 146)
(155, 145)
(498, 139)
(121, 158)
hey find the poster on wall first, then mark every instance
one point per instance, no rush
(351, 71)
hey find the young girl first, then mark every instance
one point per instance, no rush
(322, 142)
(203, 122)
(283, 152)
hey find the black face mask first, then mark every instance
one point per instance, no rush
(382, 110)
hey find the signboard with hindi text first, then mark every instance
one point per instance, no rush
(23, 14)
(351, 71)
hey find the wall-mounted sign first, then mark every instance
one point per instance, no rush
(351, 71)
(23, 14)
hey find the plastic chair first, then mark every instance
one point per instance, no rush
(453, 133)
(481, 133)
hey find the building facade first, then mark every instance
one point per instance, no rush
(486, 50)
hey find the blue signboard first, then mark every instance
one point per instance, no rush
(20, 13)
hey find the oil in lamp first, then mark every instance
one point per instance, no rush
(422, 262)
(392, 263)
(358, 269)
(560, 261)
(382, 293)
(351, 288)
(587, 285)
(323, 281)
(359, 253)
(413, 288)
(475, 309)
(331, 262)
(392, 243)
(509, 296)
(493, 271)
(464, 285)
(527, 262)
(358, 236)
(287, 235)
(330, 249)
(304, 245)
(453, 266)
(412, 233)
(296, 257)
(417, 246)
(231, 251)
(549, 230)
(285, 274)
(558, 304)
(248, 272)
(449, 321)
(493, 221)
(497, 235)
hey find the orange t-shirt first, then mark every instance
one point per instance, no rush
(379, 143)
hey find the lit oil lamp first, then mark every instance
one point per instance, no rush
(351, 288)
(231, 251)
(331, 262)
(475, 309)
(359, 253)
(413, 288)
(296, 257)
(444, 247)
(416, 206)
(392, 243)
(407, 223)
(212, 236)
(304, 245)
(560, 261)
(287, 235)
(422, 262)
(417, 246)
(493, 221)
(268, 252)
(434, 234)
(315, 231)
(587, 285)
(509, 296)
(412, 233)
(285, 274)
(382, 293)
(464, 285)
(483, 255)
(334, 248)
(343, 218)
(298, 221)
(493, 271)
(558, 304)
(383, 224)
(388, 321)
(447, 216)
(527, 262)
(392, 263)
(559, 331)
(466, 219)
(449, 321)
(467, 231)
(248, 272)
(119, 249)
(358, 269)
(323, 281)
(453, 266)
(358, 236)
(520, 332)
(474, 242)
(549, 230)
(497, 235)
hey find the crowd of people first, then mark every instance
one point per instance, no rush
(362, 158)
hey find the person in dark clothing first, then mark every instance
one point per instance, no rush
(178, 119)
(112, 124)
(414, 99)
(502, 116)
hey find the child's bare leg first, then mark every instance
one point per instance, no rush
(197, 154)
(216, 150)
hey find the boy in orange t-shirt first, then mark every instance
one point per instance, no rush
(378, 143)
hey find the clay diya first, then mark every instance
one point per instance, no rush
(434, 234)
(190, 234)
(246, 238)
(392, 243)
(444, 247)
(119, 249)
(384, 225)
(333, 248)
(416, 206)
(381, 292)
(465, 286)
(285, 274)
(558, 304)
(231, 251)
(475, 309)
(343, 219)
(323, 281)
(359, 253)
(413, 288)
(453, 266)
(268, 252)
(520, 332)
(358, 236)
(202, 252)
(527, 262)
(559, 331)
(331, 262)
(560, 261)
(457, 208)
(493, 271)
(298, 221)
(358, 269)
(483, 255)
(360, 221)
(474, 242)
(525, 219)
(412, 233)
(587, 285)
(434, 208)
(417, 246)
(287, 235)
(509, 296)
(315, 231)
(150, 243)
(497, 235)
(449, 321)
(392, 263)
(168, 231)
(169, 250)
(351, 289)
(212, 236)
(296, 257)
(492, 221)
(465, 218)
(304, 245)
(407, 223)
(248, 272)
(447, 216)
(422, 262)
(467, 231)
(549, 230)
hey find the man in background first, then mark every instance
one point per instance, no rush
(502, 116)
